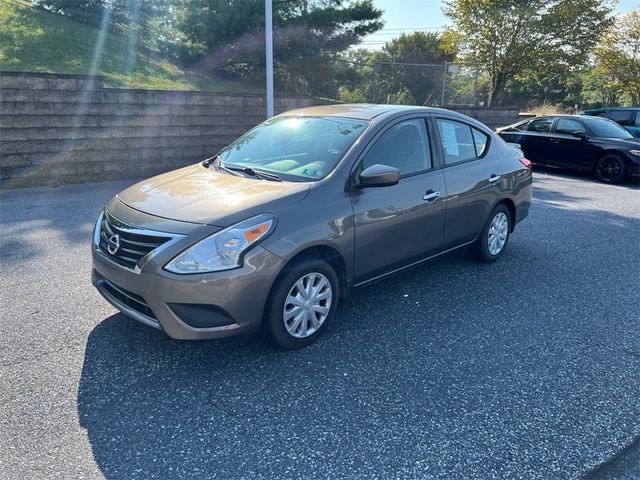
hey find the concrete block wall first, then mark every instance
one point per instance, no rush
(58, 129)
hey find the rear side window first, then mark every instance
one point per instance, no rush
(480, 140)
(568, 126)
(404, 146)
(542, 125)
(460, 141)
(638, 118)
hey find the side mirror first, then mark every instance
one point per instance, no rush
(580, 135)
(379, 176)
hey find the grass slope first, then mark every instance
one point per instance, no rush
(34, 40)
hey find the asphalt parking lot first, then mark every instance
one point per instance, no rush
(524, 369)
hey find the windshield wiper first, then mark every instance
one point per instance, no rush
(218, 163)
(232, 170)
(255, 173)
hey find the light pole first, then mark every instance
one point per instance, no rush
(268, 37)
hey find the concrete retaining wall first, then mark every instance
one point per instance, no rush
(57, 129)
(68, 129)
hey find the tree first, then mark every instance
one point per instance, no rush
(520, 38)
(618, 55)
(228, 35)
(88, 12)
(419, 81)
(416, 47)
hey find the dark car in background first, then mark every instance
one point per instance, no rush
(627, 117)
(577, 142)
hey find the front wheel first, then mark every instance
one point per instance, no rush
(301, 304)
(610, 169)
(493, 240)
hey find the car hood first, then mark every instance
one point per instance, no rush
(197, 194)
(619, 142)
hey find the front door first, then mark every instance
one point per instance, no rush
(400, 224)
(570, 151)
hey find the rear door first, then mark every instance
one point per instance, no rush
(533, 138)
(537, 144)
(473, 176)
(404, 223)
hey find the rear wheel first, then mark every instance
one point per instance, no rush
(301, 304)
(610, 169)
(493, 240)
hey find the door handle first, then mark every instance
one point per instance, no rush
(494, 178)
(554, 140)
(430, 196)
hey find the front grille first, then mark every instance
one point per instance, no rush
(134, 245)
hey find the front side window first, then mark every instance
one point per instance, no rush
(569, 127)
(404, 146)
(295, 148)
(461, 142)
(541, 125)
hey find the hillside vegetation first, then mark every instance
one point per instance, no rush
(34, 40)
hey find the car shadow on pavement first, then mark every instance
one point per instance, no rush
(454, 369)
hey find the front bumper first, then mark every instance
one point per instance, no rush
(189, 307)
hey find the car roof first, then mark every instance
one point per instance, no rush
(567, 115)
(551, 117)
(609, 109)
(360, 111)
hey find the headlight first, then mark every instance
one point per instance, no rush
(635, 153)
(223, 250)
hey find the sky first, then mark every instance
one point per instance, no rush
(405, 16)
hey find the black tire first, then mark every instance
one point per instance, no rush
(610, 169)
(480, 248)
(274, 322)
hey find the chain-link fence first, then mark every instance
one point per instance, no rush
(447, 84)
(435, 85)
(326, 79)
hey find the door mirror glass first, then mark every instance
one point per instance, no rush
(379, 176)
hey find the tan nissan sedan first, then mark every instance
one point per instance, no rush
(271, 232)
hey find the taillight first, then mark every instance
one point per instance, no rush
(527, 163)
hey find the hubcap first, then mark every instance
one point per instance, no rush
(498, 231)
(609, 169)
(307, 305)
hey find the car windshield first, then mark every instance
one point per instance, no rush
(295, 148)
(606, 128)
